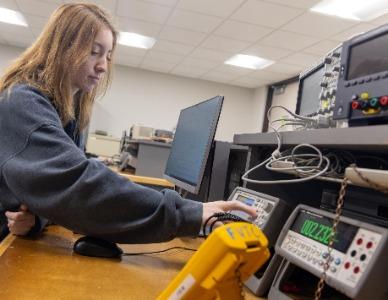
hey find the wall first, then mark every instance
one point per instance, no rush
(155, 99)
(288, 100)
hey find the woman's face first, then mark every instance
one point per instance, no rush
(91, 71)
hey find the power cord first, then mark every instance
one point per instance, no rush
(158, 252)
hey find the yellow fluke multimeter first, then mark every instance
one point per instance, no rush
(231, 254)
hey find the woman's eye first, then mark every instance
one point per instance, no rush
(94, 53)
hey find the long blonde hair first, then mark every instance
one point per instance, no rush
(62, 47)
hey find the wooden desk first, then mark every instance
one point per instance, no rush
(46, 268)
(148, 180)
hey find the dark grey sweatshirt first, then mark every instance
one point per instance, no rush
(41, 166)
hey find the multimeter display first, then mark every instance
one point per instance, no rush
(247, 201)
(319, 228)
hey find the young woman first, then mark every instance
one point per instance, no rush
(46, 100)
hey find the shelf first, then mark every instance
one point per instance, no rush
(361, 138)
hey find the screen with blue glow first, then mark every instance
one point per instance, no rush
(192, 142)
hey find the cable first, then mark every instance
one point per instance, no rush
(157, 252)
(308, 166)
(220, 217)
(270, 160)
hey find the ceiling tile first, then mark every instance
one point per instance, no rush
(10, 4)
(156, 65)
(219, 76)
(234, 70)
(220, 8)
(249, 82)
(199, 63)
(264, 13)
(271, 53)
(353, 31)
(139, 27)
(296, 3)
(322, 48)
(318, 25)
(193, 21)
(288, 69)
(129, 51)
(242, 31)
(188, 71)
(164, 57)
(268, 76)
(36, 22)
(143, 11)
(218, 56)
(9, 30)
(380, 20)
(224, 44)
(35, 7)
(59, 2)
(288, 40)
(163, 2)
(109, 5)
(132, 61)
(182, 36)
(171, 47)
(18, 40)
(301, 59)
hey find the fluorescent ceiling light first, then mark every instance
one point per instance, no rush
(359, 10)
(12, 17)
(136, 40)
(249, 61)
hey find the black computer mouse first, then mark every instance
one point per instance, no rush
(91, 246)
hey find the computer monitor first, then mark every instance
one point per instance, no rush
(192, 142)
(309, 91)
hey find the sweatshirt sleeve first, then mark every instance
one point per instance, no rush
(57, 182)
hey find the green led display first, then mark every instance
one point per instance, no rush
(316, 231)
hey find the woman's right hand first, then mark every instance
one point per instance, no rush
(20, 222)
(211, 208)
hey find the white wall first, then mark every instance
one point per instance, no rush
(258, 109)
(155, 99)
(288, 100)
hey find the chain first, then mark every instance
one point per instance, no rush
(240, 284)
(336, 220)
(372, 184)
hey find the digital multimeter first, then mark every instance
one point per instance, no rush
(272, 213)
(357, 262)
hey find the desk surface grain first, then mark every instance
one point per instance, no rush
(47, 268)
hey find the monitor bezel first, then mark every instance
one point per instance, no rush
(194, 189)
(302, 78)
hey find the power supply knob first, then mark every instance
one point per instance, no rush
(328, 60)
(336, 54)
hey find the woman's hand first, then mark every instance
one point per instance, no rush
(211, 208)
(20, 222)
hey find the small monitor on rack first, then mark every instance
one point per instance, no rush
(192, 142)
(309, 91)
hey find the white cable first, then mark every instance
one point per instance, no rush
(245, 178)
(277, 155)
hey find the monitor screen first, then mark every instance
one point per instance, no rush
(368, 58)
(309, 92)
(192, 142)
